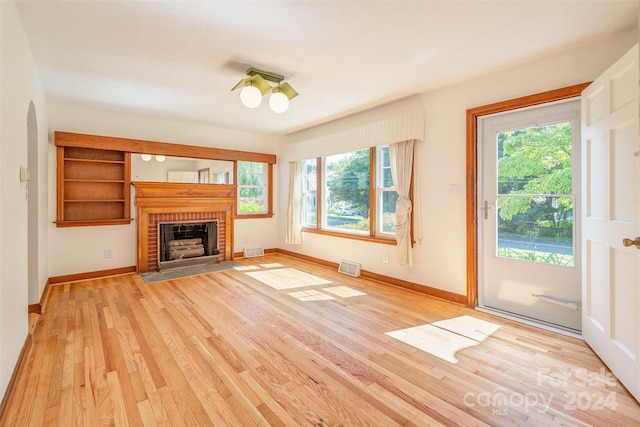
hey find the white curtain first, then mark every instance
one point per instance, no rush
(294, 209)
(401, 162)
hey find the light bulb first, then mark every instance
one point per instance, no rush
(278, 102)
(145, 157)
(250, 96)
(160, 158)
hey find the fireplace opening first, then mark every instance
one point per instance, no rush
(187, 243)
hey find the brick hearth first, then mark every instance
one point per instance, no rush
(152, 261)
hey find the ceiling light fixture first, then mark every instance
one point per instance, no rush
(159, 157)
(255, 87)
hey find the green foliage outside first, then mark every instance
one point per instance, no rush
(537, 256)
(348, 181)
(348, 184)
(360, 225)
(251, 206)
(389, 222)
(251, 181)
(536, 161)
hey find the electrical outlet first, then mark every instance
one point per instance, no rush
(385, 259)
(108, 254)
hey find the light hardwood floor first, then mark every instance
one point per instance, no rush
(286, 342)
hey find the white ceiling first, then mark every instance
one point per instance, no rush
(180, 59)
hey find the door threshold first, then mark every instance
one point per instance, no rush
(527, 321)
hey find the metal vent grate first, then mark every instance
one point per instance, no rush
(252, 252)
(350, 268)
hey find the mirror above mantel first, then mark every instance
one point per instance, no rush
(151, 168)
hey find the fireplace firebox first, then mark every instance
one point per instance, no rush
(187, 243)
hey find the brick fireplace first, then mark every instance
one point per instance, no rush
(181, 202)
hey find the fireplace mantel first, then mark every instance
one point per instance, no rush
(153, 198)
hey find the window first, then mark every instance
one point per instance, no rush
(310, 192)
(253, 186)
(356, 193)
(346, 195)
(387, 195)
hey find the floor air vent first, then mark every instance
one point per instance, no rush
(350, 268)
(252, 252)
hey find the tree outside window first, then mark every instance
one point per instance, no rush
(347, 191)
(348, 182)
(535, 188)
(252, 187)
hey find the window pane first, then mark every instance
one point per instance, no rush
(252, 187)
(388, 217)
(310, 209)
(385, 167)
(384, 156)
(535, 211)
(347, 191)
(251, 199)
(536, 229)
(386, 178)
(535, 160)
(309, 190)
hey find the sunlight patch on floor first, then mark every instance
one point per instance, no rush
(320, 295)
(310, 295)
(291, 278)
(287, 278)
(445, 338)
(468, 326)
(246, 267)
(272, 265)
(343, 291)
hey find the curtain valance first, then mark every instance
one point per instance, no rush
(388, 130)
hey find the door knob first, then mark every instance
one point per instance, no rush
(635, 242)
(485, 209)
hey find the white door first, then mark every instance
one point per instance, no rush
(611, 209)
(530, 258)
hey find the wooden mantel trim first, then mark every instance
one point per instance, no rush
(63, 139)
(181, 190)
(160, 197)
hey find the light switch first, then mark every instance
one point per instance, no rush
(25, 175)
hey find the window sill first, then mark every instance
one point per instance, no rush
(365, 238)
(253, 216)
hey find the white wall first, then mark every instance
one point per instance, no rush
(19, 85)
(440, 259)
(81, 249)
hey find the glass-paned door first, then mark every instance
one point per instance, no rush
(529, 263)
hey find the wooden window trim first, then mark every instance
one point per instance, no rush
(353, 236)
(269, 213)
(473, 115)
(373, 193)
(373, 213)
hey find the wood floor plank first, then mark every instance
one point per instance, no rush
(119, 410)
(236, 349)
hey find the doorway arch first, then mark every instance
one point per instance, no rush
(32, 206)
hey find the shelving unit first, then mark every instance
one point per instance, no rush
(93, 186)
